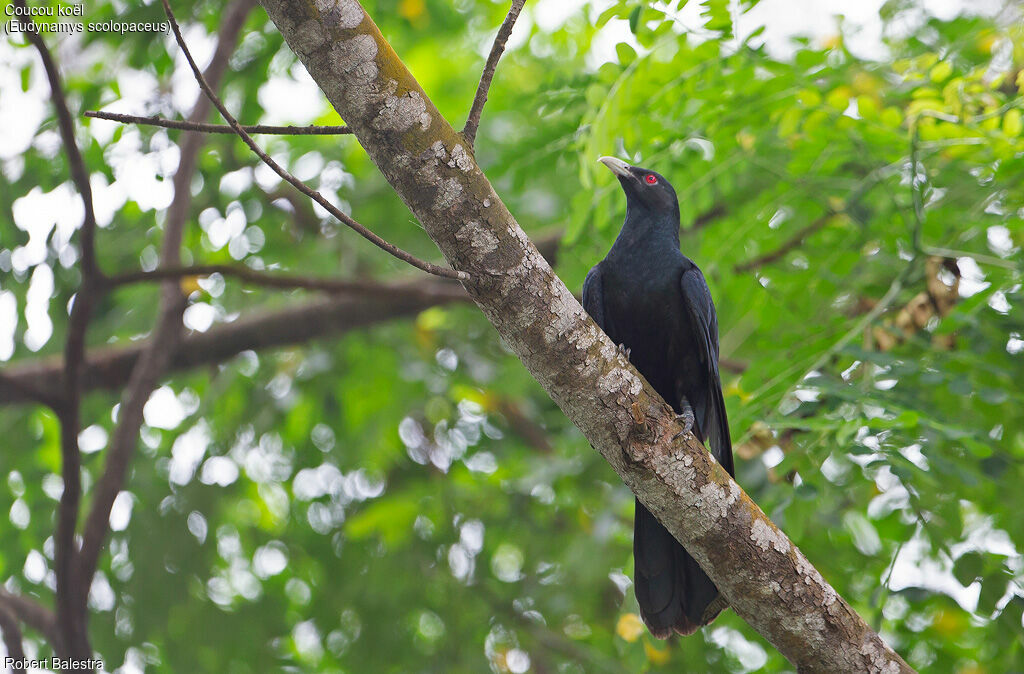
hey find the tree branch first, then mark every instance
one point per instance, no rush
(473, 120)
(110, 368)
(167, 332)
(204, 127)
(765, 578)
(707, 217)
(302, 212)
(368, 304)
(69, 591)
(378, 241)
(520, 423)
(27, 390)
(33, 614)
(247, 275)
(12, 640)
(788, 245)
(66, 126)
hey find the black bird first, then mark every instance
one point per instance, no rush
(654, 303)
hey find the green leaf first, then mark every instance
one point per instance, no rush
(634, 19)
(968, 567)
(717, 16)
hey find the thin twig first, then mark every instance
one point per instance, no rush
(203, 127)
(788, 245)
(884, 589)
(980, 258)
(473, 120)
(428, 267)
(706, 218)
(251, 276)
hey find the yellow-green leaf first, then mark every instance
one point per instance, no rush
(1012, 125)
(941, 71)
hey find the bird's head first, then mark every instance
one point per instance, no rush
(645, 189)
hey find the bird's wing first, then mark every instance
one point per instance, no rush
(593, 296)
(698, 304)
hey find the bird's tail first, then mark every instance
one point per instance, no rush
(674, 593)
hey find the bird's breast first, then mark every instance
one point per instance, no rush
(645, 313)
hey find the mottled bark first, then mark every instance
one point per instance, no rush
(766, 579)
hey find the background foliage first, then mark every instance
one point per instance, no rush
(406, 498)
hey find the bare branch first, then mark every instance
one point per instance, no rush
(788, 245)
(247, 275)
(203, 127)
(522, 425)
(378, 241)
(110, 368)
(167, 333)
(29, 391)
(66, 125)
(706, 218)
(12, 640)
(732, 365)
(497, 49)
(70, 592)
(33, 614)
(303, 214)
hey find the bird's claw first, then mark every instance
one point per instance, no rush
(687, 420)
(624, 350)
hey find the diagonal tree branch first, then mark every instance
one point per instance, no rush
(497, 49)
(167, 332)
(788, 245)
(33, 614)
(204, 127)
(12, 640)
(377, 240)
(765, 578)
(66, 126)
(303, 214)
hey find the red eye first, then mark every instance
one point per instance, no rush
(651, 179)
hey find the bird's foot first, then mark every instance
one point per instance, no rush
(625, 350)
(686, 419)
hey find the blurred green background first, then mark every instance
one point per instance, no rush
(406, 498)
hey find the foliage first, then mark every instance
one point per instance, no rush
(406, 498)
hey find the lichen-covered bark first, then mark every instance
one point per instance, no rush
(765, 578)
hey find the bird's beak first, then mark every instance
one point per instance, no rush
(617, 166)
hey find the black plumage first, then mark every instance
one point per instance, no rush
(653, 301)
